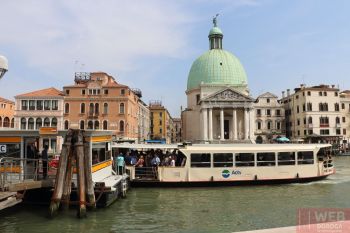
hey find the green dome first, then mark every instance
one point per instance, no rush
(216, 66)
(215, 31)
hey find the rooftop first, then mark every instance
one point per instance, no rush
(48, 92)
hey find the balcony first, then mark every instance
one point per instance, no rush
(324, 125)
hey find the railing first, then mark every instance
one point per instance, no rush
(17, 170)
(146, 173)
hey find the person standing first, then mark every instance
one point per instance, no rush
(44, 157)
(120, 164)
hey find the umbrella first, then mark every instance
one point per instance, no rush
(282, 139)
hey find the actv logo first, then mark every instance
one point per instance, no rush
(325, 220)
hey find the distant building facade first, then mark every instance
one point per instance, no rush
(7, 110)
(161, 127)
(270, 119)
(96, 101)
(177, 130)
(41, 108)
(345, 115)
(313, 114)
(143, 122)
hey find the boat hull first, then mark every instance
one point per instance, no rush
(155, 183)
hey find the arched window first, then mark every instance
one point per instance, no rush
(82, 108)
(30, 123)
(105, 125)
(6, 122)
(13, 123)
(54, 122)
(66, 124)
(121, 126)
(91, 109)
(97, 125)
(0, 122)
(66, 108)
(278, 125)
(121, 108)
(46, 122)
(269, 125)
(337, 120)
(105, 108)
(90, 125)
(310, 120)
(23, 123)
(39, 123)
(258, 125)
(97, 108)
(82, 125)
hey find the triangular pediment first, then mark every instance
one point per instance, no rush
(267, 95)
(228, 95)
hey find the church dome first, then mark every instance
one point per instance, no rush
(216, 66)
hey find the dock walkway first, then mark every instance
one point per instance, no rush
(8, 199)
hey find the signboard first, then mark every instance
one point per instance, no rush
(2, 149)
(48, 130)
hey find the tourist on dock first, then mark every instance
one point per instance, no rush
(155, 161)
(44, 157)
(120, 164)
(140, 162)
(127, 158)
(133, 157)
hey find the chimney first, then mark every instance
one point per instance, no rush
(283, 95)
(288, 92)
(333, 86)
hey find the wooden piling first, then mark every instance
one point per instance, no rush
(67, 188)
(79, 149)
(88, 176)
(60, 176)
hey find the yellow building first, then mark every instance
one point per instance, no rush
(161, 122)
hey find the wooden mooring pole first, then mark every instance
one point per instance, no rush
(67, 188)
(79, 149)
(88, 176)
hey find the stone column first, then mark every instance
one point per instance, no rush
(234, 124)
(210, 124)
(222, 136)
(205, 123)
(246, 124)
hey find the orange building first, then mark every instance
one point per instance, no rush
(7, 110)
(97, 101)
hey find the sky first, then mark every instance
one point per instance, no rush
(151, 44)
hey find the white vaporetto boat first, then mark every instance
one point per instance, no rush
(233, 164)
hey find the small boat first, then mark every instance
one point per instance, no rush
(231, 164)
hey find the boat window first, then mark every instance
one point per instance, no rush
(244, 159)
(223, 159)
(266, 159)
(286, 158)
(99, 153)
(305, 157)
(324, 154)
(200, 160)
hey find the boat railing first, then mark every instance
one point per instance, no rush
(17, 170)
(146, 173)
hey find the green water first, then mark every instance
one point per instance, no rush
(223, 209)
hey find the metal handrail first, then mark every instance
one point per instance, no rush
(17, 170)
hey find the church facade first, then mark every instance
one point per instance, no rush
(219, 105)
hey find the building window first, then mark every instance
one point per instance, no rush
(30, 123)
(82, 108)
(267, 100)
(54, 104)
(39, 105)
(91, 109)
(337, 120)
(258, 112)
(66, 108)
(343, 119)
(54, 122)
(297, 109)
(297, 97)
(309, 107)
(310, 120)
(46, 122)
(269, 123)
(121, 108)
(259, 125)
(298, 132)
(97, 109)
(24, 104)
(298, 122)
(47, 105)
(83, 92)
(304, 108)
(337, 131)
(160, 114)
(66, 125)
(122, 91)
(268, 112)
(325, 93)
(90, 125)
(323, 107)
(105, 125)
(320, 93)
(31, 104)
(160, 122)
(304, 120)
(67, 92)
(82, 125)
(336, 93)
(121, 126)
(309, 93)
(344, 131)
(336, 107)
(97, 125)
(13, 123)
(39, 123)
(278, 125)
(342, 106)
(324, 122)
(324, 132)
(106, 91)
(160, 130)
(23, 123)
(198, 98)
(105, 108)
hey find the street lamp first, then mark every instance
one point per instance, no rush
(3, 66)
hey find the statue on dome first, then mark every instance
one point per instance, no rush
(215, 20)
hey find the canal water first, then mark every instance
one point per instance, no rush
(224, 209)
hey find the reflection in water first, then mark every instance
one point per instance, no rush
(223, 209)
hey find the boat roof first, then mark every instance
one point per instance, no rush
(144, 146)
(215, 147)
(256, 147)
